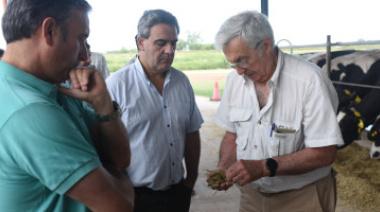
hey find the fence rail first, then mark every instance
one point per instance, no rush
(328, 45)
(357, 43)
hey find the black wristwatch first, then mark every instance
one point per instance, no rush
(271, 165)
(111, 116)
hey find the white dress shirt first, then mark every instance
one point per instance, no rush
(300, 113)
(157, 125)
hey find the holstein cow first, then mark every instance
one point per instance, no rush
(348, 66)
(320, 59)
(374, 136)
(360, 114)
(358, 105)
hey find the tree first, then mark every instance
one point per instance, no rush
(181, 45)
(193, 42)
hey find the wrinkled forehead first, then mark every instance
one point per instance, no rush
(236, 49)
(163, 31)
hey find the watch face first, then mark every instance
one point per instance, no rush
(272, 163)
(272, 166)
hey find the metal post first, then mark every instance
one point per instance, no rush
(328, 55)
(264, 7)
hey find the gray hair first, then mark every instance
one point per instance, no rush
(153, 17)
(251, 26)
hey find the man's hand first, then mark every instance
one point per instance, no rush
(217, 180)
(245, 171)
(88, 85)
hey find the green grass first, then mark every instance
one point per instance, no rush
(116, 61)
(184, 60)
(199, 60)
(206, 88)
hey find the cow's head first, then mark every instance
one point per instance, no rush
(351, 125)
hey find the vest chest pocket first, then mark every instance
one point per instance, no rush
(242, 120)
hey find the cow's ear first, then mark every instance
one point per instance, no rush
(49, 30)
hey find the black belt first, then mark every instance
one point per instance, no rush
(146, 189)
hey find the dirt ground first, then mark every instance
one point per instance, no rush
(358, 176)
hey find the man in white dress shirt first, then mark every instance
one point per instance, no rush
(279, 115)
(161, 117)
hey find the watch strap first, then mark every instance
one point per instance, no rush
(271, 165)
(112, 116)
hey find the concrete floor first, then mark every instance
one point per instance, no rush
(206, 199)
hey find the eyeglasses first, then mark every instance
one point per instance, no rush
(242, 64)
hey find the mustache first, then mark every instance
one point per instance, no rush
(166, 57)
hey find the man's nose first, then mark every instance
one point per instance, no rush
(240, 70)
(169, 48)
(83, 54)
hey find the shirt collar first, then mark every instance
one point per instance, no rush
(140, 69)
(28, 80)
(276, 74)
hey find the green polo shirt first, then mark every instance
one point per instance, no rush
(45, 144)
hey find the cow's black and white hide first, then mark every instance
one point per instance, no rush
(361, 114)
(358, 106)
(320, 59)
(350, 74)
(374, 136)
(354, 68)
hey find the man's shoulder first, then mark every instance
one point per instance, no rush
(301, 68)
(122, 77)
(22, 109)
(123, 72)
(19, 96)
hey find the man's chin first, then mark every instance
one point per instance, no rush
(166, 66)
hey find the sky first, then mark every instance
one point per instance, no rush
(113, 23)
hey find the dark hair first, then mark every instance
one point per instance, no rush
(153, 17)
(23, 17)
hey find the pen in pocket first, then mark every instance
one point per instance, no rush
(272, 129)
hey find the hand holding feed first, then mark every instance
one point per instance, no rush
(217, 180)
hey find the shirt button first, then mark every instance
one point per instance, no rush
(259, 122)
(255, 146)
(168, 125)
(173, 163)
(171, 144)
(165, 106)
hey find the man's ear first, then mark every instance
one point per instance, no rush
(49, 30)
(267, 45)
(139, 43)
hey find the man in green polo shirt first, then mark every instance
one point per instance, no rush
(56, 154)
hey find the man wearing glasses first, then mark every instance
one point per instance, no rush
(279, 115)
